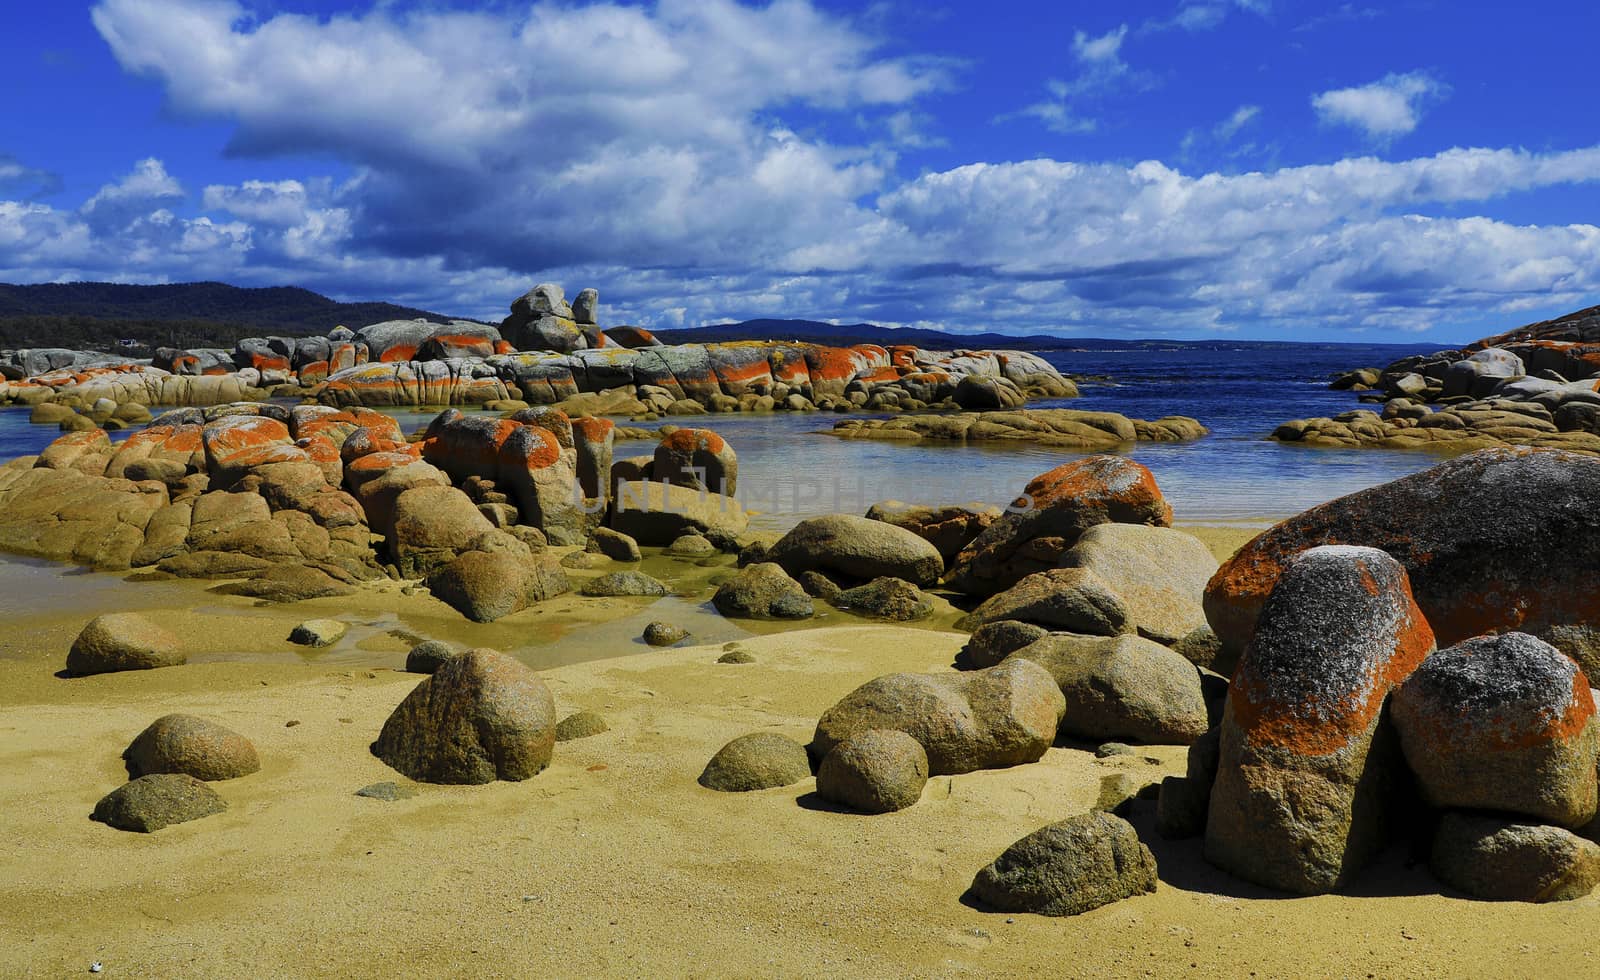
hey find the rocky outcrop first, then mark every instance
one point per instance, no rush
(1491, 541)
(480, 717)
(1310, 769)
(1057, 427)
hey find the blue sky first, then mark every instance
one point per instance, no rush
(1273, 169)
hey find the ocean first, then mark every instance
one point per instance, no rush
(790, 468)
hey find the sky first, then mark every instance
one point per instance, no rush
(1405, 171)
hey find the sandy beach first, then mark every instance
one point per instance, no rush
(614, 861)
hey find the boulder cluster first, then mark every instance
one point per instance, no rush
(547, 352)
(1536, 386)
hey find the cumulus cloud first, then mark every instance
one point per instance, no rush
(1389, 107)
(1101, 70)
(602, 145)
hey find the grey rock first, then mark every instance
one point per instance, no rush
(1069, 868)
(761, 760)
(1122, 687)
(858, 549)
(886, 598)
(1491, 857)
(1073, 600)
(993, 642)
(629, 583)
(387, 791)
(1159, 574)
(660, 634)
(150, 803)
(762, 591)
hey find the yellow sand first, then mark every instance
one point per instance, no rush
(614, 861)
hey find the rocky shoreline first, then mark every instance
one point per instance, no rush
(1056, 427)
(547, 352)
(1538, 386)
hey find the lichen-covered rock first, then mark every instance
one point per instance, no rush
(1491, 857)
(1502, 723)
(698, 459)
(986, 719)
(193, 746)
(122, 641)
(877, 771)
(480, 717)
(1495, 540)
(1074, 600)
(886, 598)
(1159, 574)
(760, 760)
(1122, 687)
(1309, 769)
(692, 546)
(858, 549)
(763, 591)
(150, 803)
(1053, 512)
(1068, 868)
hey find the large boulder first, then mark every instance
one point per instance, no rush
(1310, 769)
(994, 642)
(122, 641)
(1068, 868)
(656, 514)
(150, 803)
(857, 549)
(1502, 723)
(1073, 600)
(760, 760)
(199, 748)
(1053, 512)
(432, 527)
(625, 583)
(480, 717)
(1478, 374)
(698, 459)
(763, 591)
(877, 771)
(1495, 540)
(485, 585)
(1159, 574)
(984, 719)
(1125, 687)
(1491, 857)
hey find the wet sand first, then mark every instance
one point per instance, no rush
(613, 861)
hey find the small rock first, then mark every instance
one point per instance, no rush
(150, 803)
(994, 642)
(582, 560)
(736, 657)
(616, 545)
(318, 633)
(629, 583)
(817, 585)
(1120, 789)
(763, 591)
(1114, 748)
(691, 546)
(429, 655)
(580, 724)
(887, 598)
(659, 634)
(761, 760)
(1070, 867)
(388, 791)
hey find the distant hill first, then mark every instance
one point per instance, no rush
(96, 315)
(813, 331)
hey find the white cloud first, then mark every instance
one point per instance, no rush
(1204, 15)
(690, 189)
(1389, 107)
(1101, 70)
